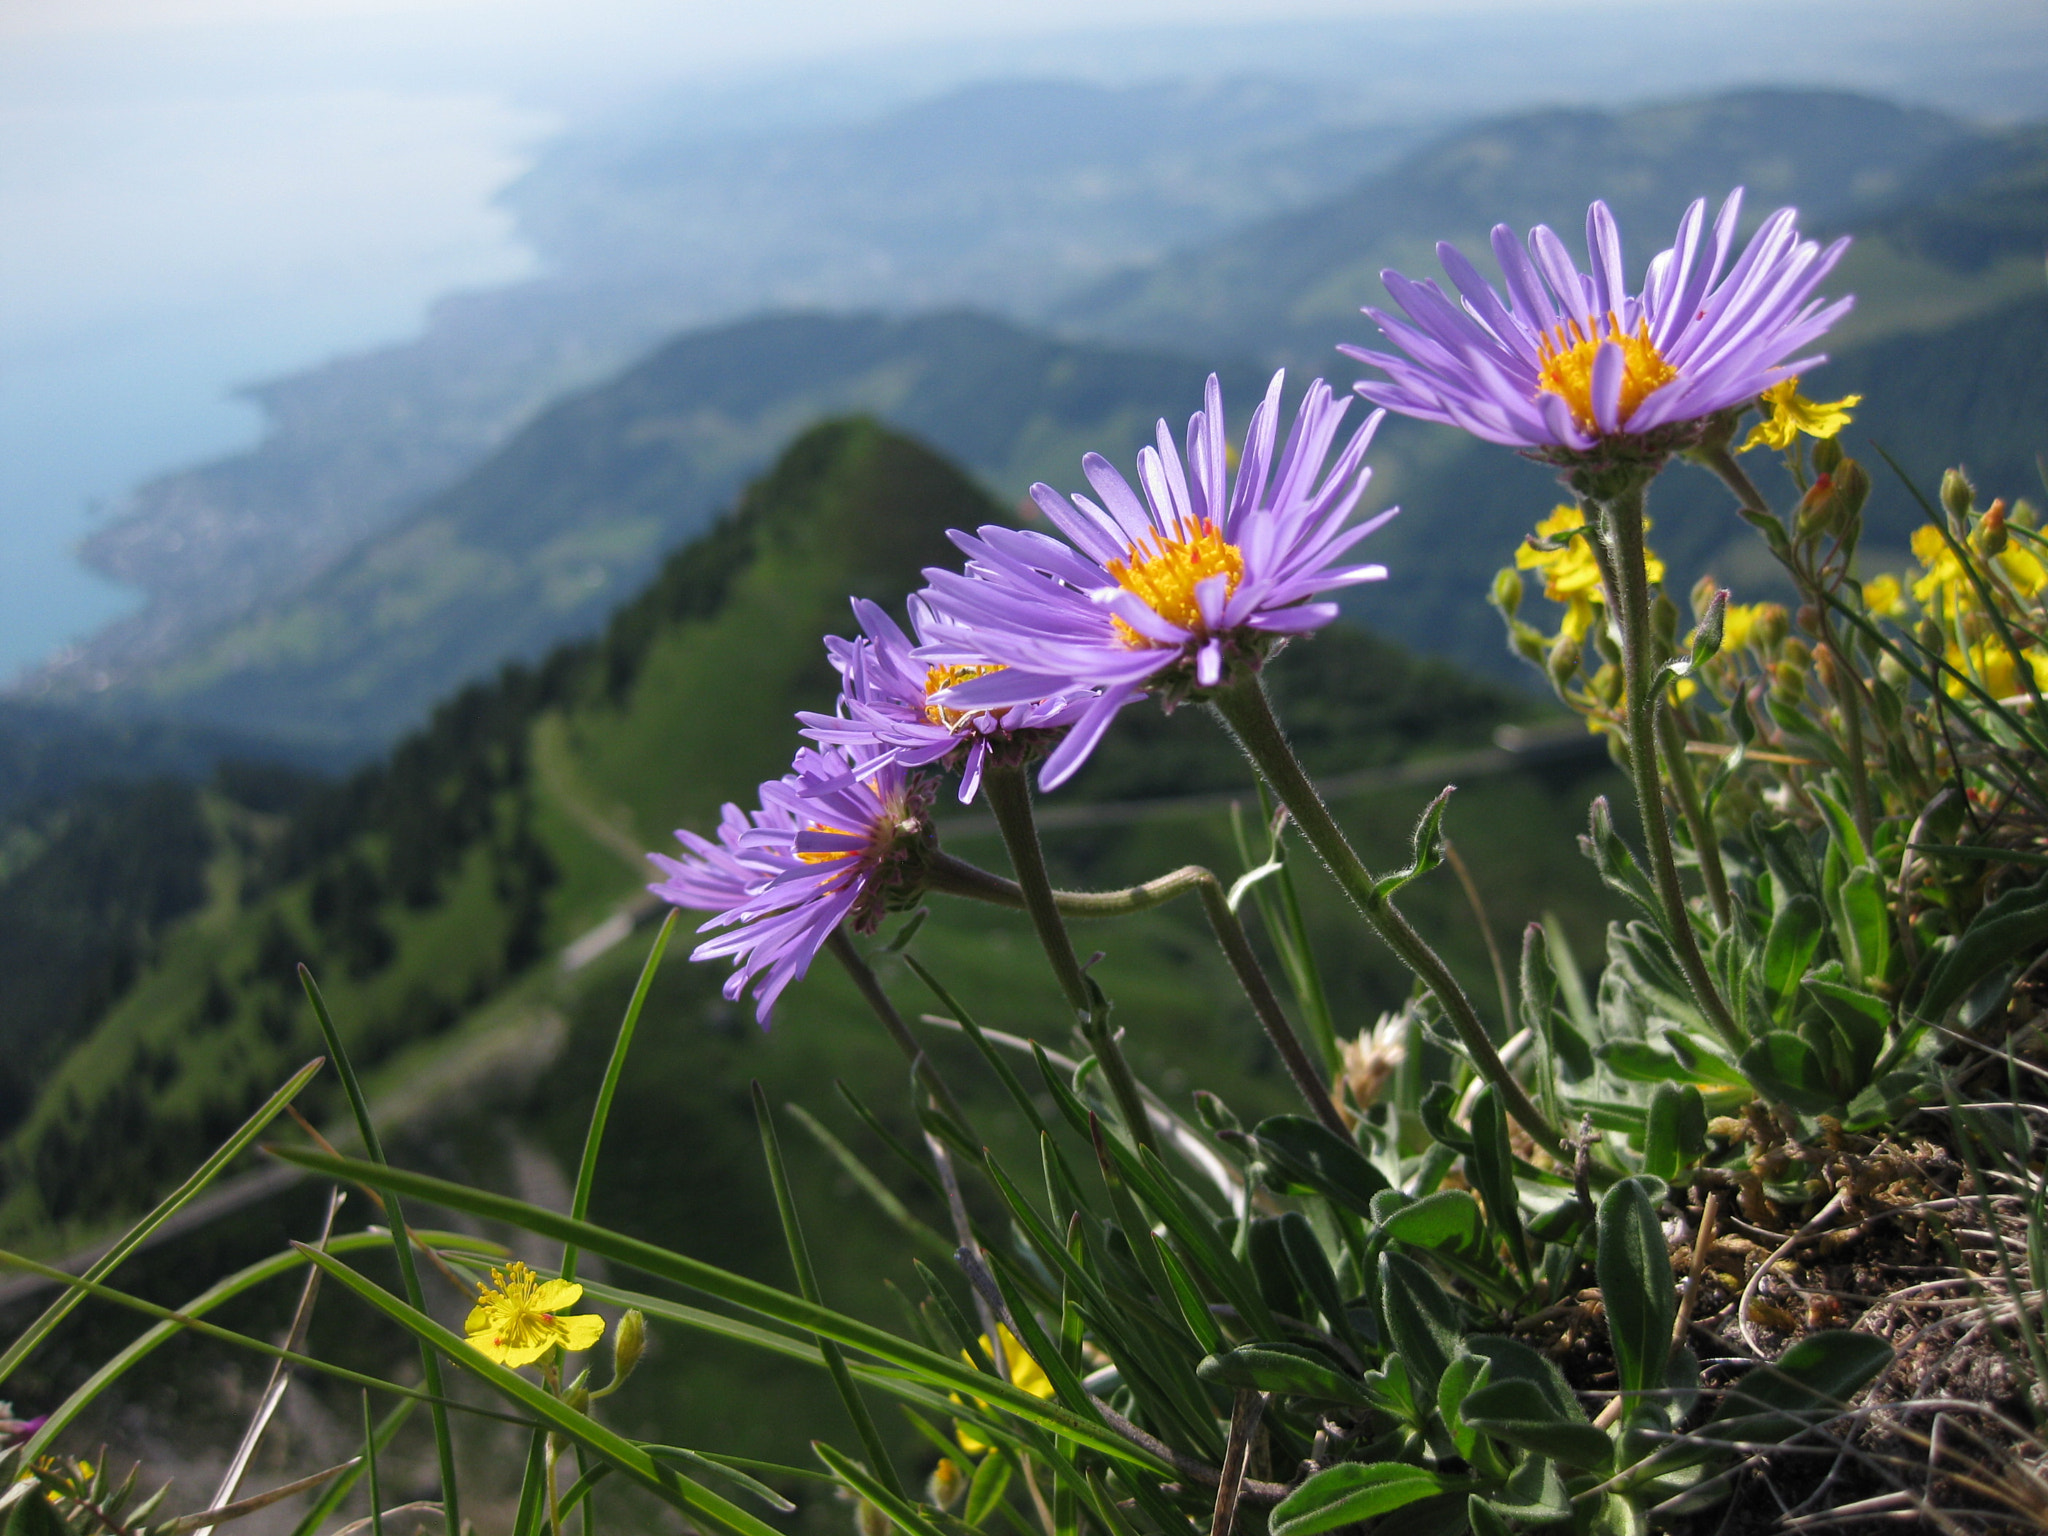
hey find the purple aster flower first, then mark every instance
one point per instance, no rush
(14, 1431)
(827, 846)
(712, 877)
(1160, 593)
(1571, 360)
(887, 714)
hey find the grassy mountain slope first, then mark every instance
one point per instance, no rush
(432, 892)
(573, 514)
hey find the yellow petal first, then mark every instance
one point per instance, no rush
(580, 1332)
(556, 1295)
(479, 1320)
(526, 1354)
(488, 1345)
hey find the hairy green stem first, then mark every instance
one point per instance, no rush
(1009, 798)
(1704, 842)
(1246, 710)
(1623, 517)
(960, 879)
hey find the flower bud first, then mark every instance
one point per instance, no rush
(947, 1483)
(1958, 496)
(1930, 635)
(1563, 661)
(2025, 515)
(1526, 641)
(1788, 683)
(1706, 640)
(1607, 684)
(1703, 592)
(1991, 535)
(1826, 668)
(1827, 453)
(1795, 655)
(868, 1519)
(1507, 590)
(1771, 627)
(1892, 672)
(1815, 508)
(629, 1342)
(1809, 618)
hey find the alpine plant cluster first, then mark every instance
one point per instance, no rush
(1200, 571)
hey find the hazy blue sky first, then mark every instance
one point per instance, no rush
(203, 193)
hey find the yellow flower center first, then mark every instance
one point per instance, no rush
(937, 678)
(1163, 570)
(1568, 354)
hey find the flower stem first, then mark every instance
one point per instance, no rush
(1246, 710)
(870, 988)
(1009, 798)
(960, 879)
(1704, 842)
(1736, 478)
(1623, 516)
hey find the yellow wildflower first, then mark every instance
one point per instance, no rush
(1571, 575)
(1024, 1373)
(521, 1319)
(1996, 669)
(1885, 597)
(2020, 568)
(1737, 620)
(1789, 413)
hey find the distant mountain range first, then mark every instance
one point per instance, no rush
(546, 531)
(999, 195)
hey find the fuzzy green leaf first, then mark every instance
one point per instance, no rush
(1354, 1491)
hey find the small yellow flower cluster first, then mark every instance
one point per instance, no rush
(1787, 414)
(1952, 598)
(1571, 574)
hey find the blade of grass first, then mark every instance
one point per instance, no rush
(171, 1204)
(871, 1185)
(807, 1284)
(370, 1468)
(752, 1295)
(664, 1483)
(601, 1111)
(408, 1271)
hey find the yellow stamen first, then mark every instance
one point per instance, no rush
(1568, 355)
(937, 678)
(1163, 571)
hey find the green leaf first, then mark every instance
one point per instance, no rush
(1428, 846)
(33, 1516)
(1617, 866)
(1675, 1130)
(1535, 1492)
(1785, 1067)
(1284, 1368)
(1789, 949)
(1860, 1019)
(1353, 1491)
(1540, 1010)
(1311, 1155)
(1811, 1382)
(1492, 1166)
(1449, 1219)
(991, 1482)
(1421, 1320)
(1312, 1270)
(2010, 926)
(1633, 1266)
(1519, 1413)
(1640, 1061)
(902, 1514)
(1462, 1377)
(1866, 935)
